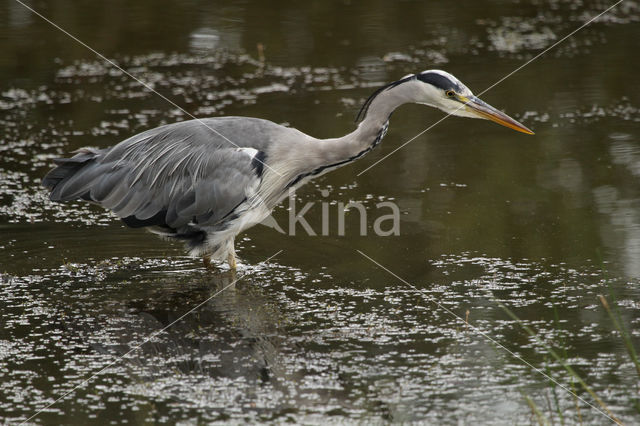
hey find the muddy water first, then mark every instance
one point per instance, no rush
(319, 333)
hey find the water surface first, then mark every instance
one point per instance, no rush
(319, 333)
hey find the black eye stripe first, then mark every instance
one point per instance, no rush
(435, 79)
(438, 80)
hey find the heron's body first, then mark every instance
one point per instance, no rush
(204, 181)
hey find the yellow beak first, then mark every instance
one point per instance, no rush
(486, 111)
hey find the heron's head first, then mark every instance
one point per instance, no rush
(442, 90)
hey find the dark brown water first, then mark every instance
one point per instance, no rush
(542, 224)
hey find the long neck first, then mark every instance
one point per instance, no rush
(298, 161)
(340, 151)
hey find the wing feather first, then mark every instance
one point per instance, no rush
(183, 171)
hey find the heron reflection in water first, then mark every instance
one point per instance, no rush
(204, 181)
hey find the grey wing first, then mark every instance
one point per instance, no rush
(177, 177)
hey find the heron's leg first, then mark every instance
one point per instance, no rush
(206, 260)
(231, 257)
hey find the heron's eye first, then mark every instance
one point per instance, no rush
(450, 93)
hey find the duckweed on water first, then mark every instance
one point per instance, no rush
(320, 334)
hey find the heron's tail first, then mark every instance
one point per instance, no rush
(66, 169)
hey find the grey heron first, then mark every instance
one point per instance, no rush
(204, 181)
